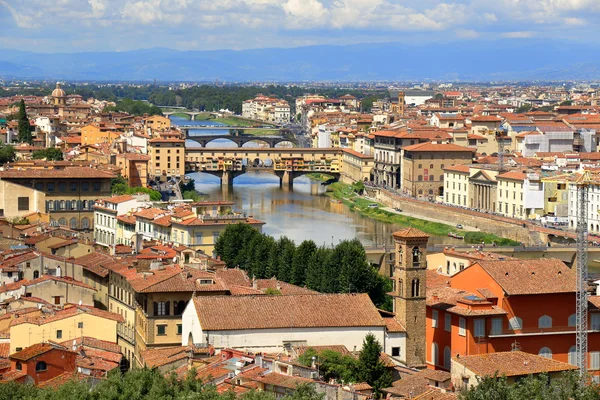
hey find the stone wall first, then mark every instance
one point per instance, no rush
(453, 216)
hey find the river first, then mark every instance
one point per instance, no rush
(304, 213)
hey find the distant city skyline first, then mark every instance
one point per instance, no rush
(122, 25)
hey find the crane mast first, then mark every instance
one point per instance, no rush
(581, 340)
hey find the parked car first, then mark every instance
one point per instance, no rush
(398, 209)
(459, 226)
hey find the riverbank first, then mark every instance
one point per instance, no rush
(364, 206)
(236, 121)
(182, 115)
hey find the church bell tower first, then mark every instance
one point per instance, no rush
(409, 295)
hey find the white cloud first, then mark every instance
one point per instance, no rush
(575, 21)
(467, 34)
(490, 17)
(518, 34)
(305, 9)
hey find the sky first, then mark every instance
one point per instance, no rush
(120, 25)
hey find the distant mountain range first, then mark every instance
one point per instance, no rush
(500, 60)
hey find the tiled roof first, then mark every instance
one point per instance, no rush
(63, 244)
(158, 357)
(65, 279)
(458, 168)
(34, 350)
(514, 175)
(262, 312)
(436, 394)
(536, 276)
(61, 173)
(283, 287)
(90, 342)
(511, 363)
(118, 199)
(67, 312)
(393, 325)
(127, 219)
(412, 385)
(410, 233)
(428, 146)
(4, 350)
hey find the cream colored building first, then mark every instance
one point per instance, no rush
(356, 167)
(156, 123)
(18, 200)
(58, 291)
(520, 195)
(456, 185)
(167, 158)
(70, 323)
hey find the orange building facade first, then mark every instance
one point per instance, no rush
(505, 305)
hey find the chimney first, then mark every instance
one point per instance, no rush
(254, 283)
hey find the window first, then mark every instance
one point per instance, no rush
(59, 334)
(161, 330)
(462, 323)
(545, 352)
(434, 319)
(545, 322)
(23, 203)
(395, 351)
(36, 274)
(85, 186)
(416, 256)
(73, 187)
(162, 308)
(40, 366)
(50, 186)
(73, 223)
(420, 178)
(96, 186)
(573, 355)
(447, 357)
(434, 353)
(479, 327)
(179, 329)
(595, 360)
(496, 326)
(595, 321)
(18, 365)
(80, 325)
(56, 300)
(448, 322)
(515, 323)
(416, 287)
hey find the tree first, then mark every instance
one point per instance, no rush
(300, 261)
(232, 243)
(332, 364)
(7, 154)
(50, 154)
(314, 268)
(523, 109)
(24, 127)
(305, 391)
(370, 367)
(285, 251)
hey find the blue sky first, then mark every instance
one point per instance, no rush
(119, 25)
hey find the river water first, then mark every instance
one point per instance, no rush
(304, 213)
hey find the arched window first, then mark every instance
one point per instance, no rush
(416, 256)
(420, 191)
(36, 274)
(515, 323)
(62, 221)
(85, 223)
(442, 166)
(573, 355)
(56, 205)
(62, 204)
(416, 287)
(441, 177)
(447, 357)
(430, 165)
(178, 307)
(453, 267)
(73, 204)
(85, 204)
(545, 321)
(50, 205)
(40, 366)
(420, 178)
(430, 191)
(420, 166)
(572, 320)
(190, 339)
(434, 353)
(545, 352)
(73, 223)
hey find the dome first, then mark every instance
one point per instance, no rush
(58, 92)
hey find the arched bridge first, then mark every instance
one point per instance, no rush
(286, 163)
(242, 139)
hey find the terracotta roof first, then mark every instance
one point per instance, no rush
(393, 325)
(458, 168)
(410, 233)
(63, 244)
(428, 146)
(511, 363)
(514, 175)
(118, 199)
(436, 394)
(59, 173)
(413, 385)
(127, 219)
(262, 312)
(283, 287)
(35, 350)
(535, 276)
(67, 312)
(63, 279)
(158, 357)
(4, 350)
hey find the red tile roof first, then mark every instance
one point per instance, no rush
(427, 146)
(511, 363)
(59, 173)
(67, 312)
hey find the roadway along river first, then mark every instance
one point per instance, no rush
(304, 213)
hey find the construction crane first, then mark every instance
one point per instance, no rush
(582, 184)
(500, 136)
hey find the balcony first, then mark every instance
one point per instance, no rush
(555, 330)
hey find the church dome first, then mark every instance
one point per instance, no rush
(58, 92)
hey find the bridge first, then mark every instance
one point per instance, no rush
(286, 163)
(241, 139)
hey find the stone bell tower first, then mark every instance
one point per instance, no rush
(409, 290)
(401, 103)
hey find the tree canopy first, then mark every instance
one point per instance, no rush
(24, 128)
(340, 269)
(50, 154)
(135, 107)
(118, 185)
(7, 153)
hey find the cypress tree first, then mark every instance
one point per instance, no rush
(24, 127)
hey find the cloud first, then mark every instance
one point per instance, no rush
(490, 17)
(518, 35)
(467, 33)
(575, 21)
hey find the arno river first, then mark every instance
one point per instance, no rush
(304, 213)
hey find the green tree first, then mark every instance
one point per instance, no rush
(332, 364)
(299, 263)
(566, 103)
(285, 251)
(305, 391)
(24, 128)
(315, 267)
(7, 154)
(231, 244)
(50, 154)
(523, 109)
(370, 367)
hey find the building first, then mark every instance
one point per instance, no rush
(268, 109)
(156, 123)
(409, 282)
(387, 153)
(59, 291)
(167, 158)
(503, 305)
(134, 168)
(100, 133)
(18, 200)
(423, 164)
(467, 371)
(290, 320)
(70, 192)
(106, 212)
(66, 324)
(356, 167)
(520, 195)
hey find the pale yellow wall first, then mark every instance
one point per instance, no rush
(27, 334)
(68, 293)
(9, 195)
(510, 194)
(75, 250)
(456, 188)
